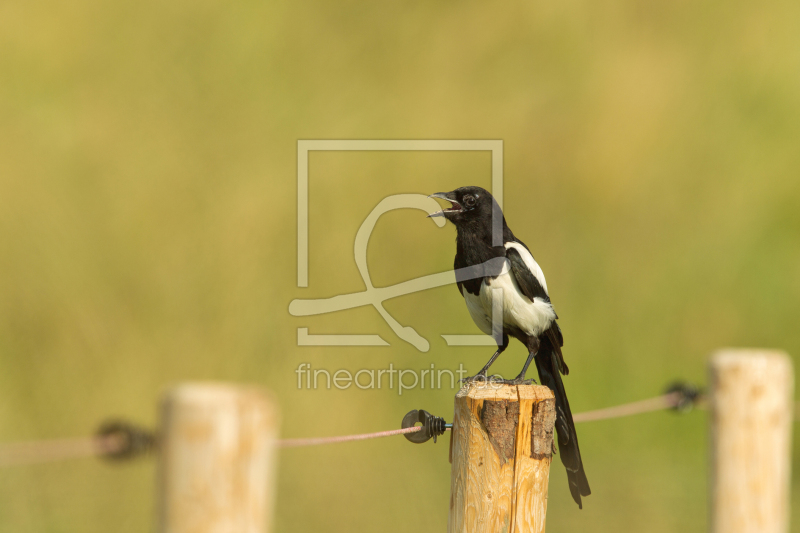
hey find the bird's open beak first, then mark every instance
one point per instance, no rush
(450, 197)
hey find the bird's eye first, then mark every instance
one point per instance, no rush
(469, 201)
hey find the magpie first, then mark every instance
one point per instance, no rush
(528, 313)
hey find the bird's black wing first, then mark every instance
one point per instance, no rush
(531, 288)
(527, 282)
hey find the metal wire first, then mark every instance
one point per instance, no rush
(294, 443)
(31, 452)
(117, 444)
(659, 403)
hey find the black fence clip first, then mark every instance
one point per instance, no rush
(432, 426)
(688, 396)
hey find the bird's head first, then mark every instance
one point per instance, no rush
(470, 205)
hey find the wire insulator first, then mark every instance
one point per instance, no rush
(688, 396)
(432, 426)
(129, 440)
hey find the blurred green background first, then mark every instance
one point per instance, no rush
(148, 229)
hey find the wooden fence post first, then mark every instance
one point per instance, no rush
(751, 402)
(501, 447)
(217, 459)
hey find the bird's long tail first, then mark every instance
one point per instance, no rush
(548, 366)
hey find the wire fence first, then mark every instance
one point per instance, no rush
(122, 440)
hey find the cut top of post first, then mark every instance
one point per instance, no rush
(479, 391)
(513, 415)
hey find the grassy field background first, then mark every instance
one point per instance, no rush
(148, 229)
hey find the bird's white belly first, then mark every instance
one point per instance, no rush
(531, 317)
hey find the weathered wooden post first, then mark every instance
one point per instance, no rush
(751, 402)
(501, 447)
(217, 459)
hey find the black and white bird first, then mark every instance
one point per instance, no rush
(528, 313)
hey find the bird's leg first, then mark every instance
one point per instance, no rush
(533, 349)
(520, 380)
(482, 374)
